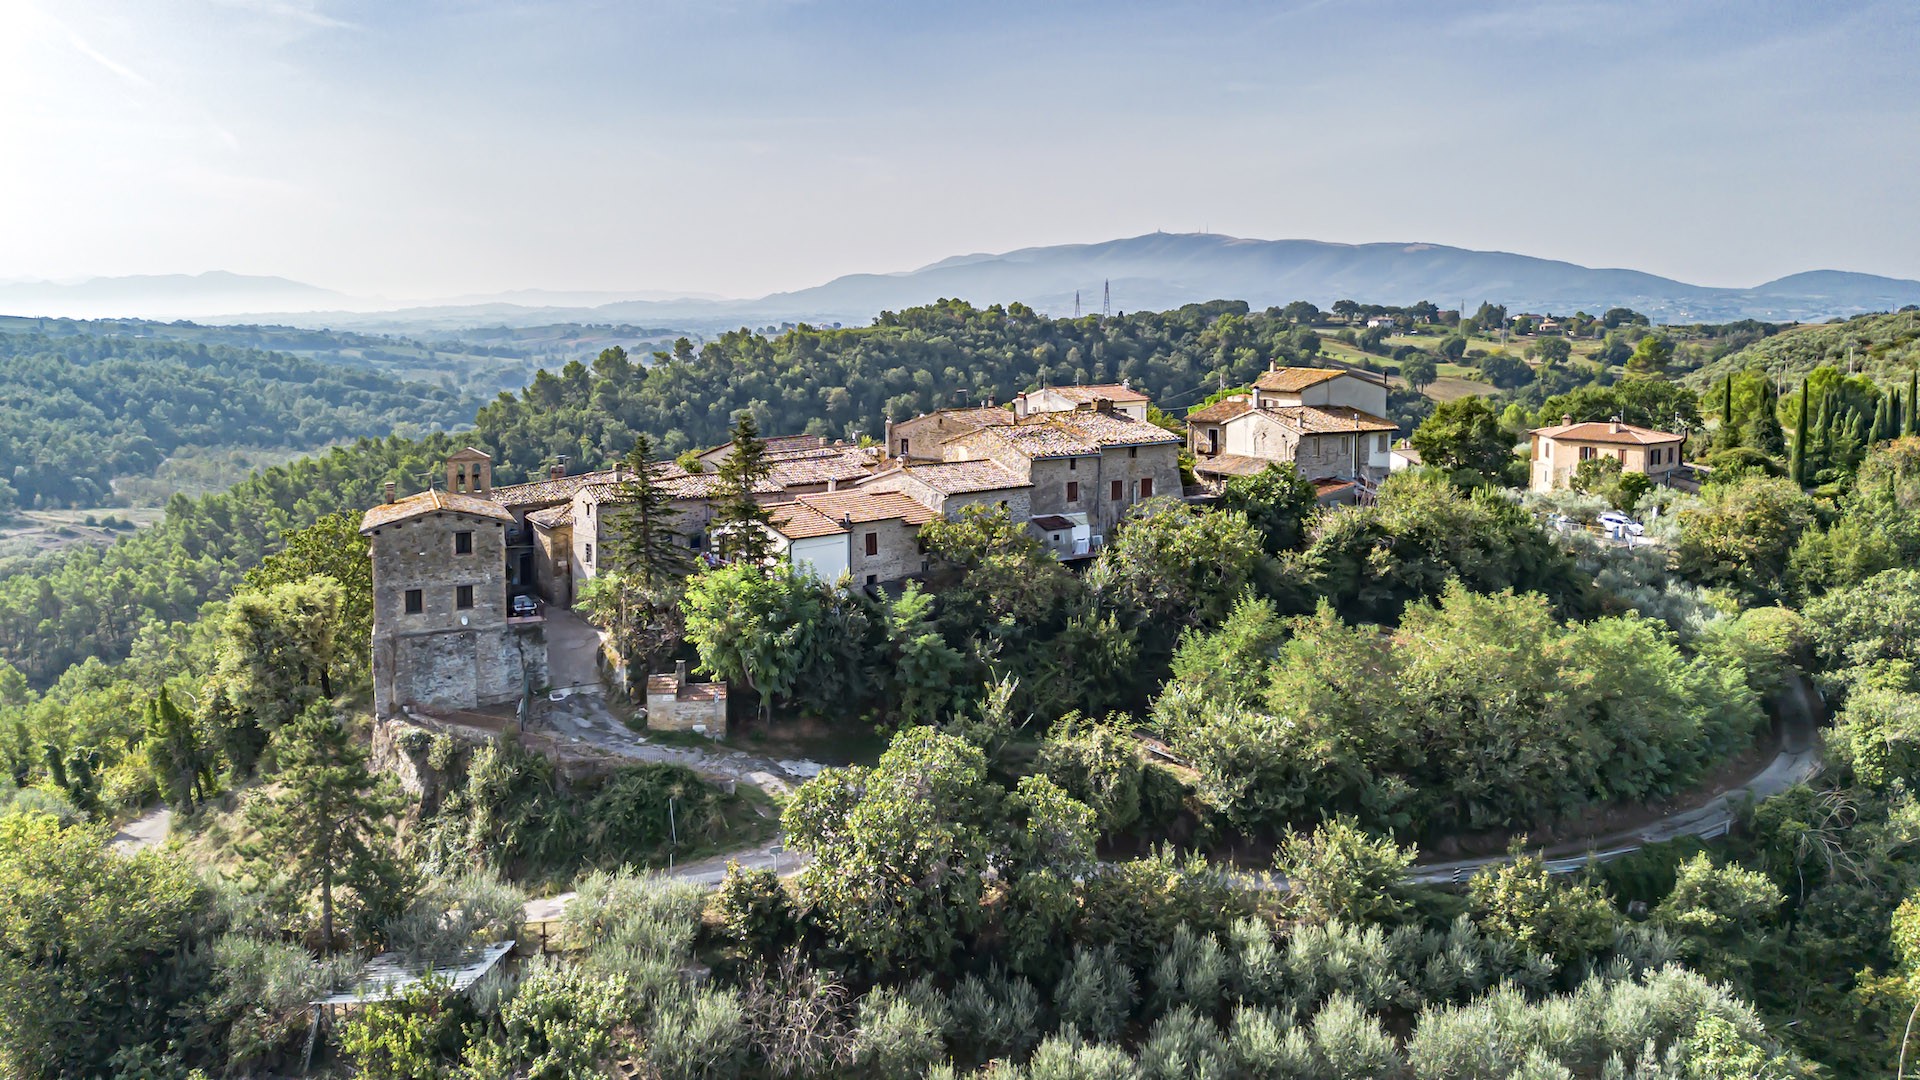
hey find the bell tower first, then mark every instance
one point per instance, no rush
(470, 472)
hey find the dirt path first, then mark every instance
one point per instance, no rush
(585, 718)
(145, 831)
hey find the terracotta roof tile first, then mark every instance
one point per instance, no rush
(1110, 391)
(549, 491)
(868, 506)
(1328, 419)
(1222, 410)
(1232, 465)
(798, 521)
(429, 502)
(1292, 380)
(1603, 432)
(1072, 434)
(963, 477)
(552, 516)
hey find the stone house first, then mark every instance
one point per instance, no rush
(1325, 421)
(947, 487)
(1089, 466)
(1123, 400)
(1558, 451)
(443, 632)
(871, 537)
(923, 437)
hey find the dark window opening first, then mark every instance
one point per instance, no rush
(1118, 491)
(903, 447)
(1073, 463)
(463, 596)
(1073, 491)
(1133, 451)
(463, 543)
(1146, 487)
(416, 602)
(873, 543)
(873, 579)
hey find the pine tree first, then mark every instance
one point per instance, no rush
(740, 523)
(647, 546)
(179, 757)
(324, 824)
(1799, 466)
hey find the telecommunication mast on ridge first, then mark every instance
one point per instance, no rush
(1106, 299)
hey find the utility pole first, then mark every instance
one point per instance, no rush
(1076, 303)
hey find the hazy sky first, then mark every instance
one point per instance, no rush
(417, 148)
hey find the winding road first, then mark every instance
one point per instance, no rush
(1797, 761)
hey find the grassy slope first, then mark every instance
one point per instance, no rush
(1885, 347)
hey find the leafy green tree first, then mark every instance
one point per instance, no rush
(1878, 736)
(1340, 872)
(324, 826)
(97, 949)
(902, 850)
(1419, 370)
(740, 523)
(926, 672)
(1553, 350)
(180, 755)
(1230, 662)
(1741, 535)
(414, 1035)
(992, 573)
(1723, 911)
(1278, 501)
(278, 649)
(1520, 901)
(1465, 433)
(1179, 565)
(1098, 762)
(331, 547)
(755, 629)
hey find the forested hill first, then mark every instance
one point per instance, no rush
(1885, 348)
(62, 609)
(78, 411)
(844, 383)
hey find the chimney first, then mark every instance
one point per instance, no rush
(1614, 425)
(1566, 419)
(1103, 406)
(679, 674)
(619, 472)
(389, 491)
(557, 470)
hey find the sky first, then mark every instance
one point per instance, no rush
(437, 148)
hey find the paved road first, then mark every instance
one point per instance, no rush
(1798, 759)
(145, 831)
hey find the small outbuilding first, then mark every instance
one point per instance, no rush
(677, 703)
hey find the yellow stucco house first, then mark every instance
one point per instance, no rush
(1558, 451)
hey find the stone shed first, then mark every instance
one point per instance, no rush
(677, 703)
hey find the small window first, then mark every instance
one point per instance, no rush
(1073, 463)
(416, 602)
(1119, 492)
(873, 543)
(903, 447)
(1146, 487)
(1073, 491)
(1381, 444)
(873, 579)
(463, 596)
(589, 554)
(463, 543)
(1586, 453)
(1133, 451)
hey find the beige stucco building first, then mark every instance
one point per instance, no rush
(1558, 451)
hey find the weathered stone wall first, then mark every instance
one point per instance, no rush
(458, 669)
(410, 662)
(898, 555)
(1019, 502)
(668, 713)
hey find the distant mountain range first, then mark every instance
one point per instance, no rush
(1156, 271)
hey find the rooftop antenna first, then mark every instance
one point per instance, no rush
(1106, 299)
(1076, 303)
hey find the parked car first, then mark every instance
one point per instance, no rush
(1616, 523)
(524, 605)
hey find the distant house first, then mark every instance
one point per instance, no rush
(1558, 451)
(1325, 421)
(872, 537)
(1123, 399)
(1382, 322)
(677, 703)
(921, 438)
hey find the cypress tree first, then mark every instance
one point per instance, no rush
(1729, 431)
(1799, 466)
(1765, 434)
(1913, 399)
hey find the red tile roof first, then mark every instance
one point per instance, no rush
(868, 506)
(1222, 410)
(1292, 380)
(1075, 434)
(1601, 431)
(798, 521)
(1110, 391)
(965, 477)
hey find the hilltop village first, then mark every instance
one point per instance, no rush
(465, 574)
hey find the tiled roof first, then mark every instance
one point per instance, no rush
(1605, 432)
(797, 521)
(1232, 465)
(1052, 522)
(428, 502)
(1328, 419)
(963, 477)
(826, 464)
(662, 685)
(549, 491)
(1110, 391)
(552, 516)
(868, 506)
(1292, 380)
(977, 415)
(1071, 434)
(1222, 410)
